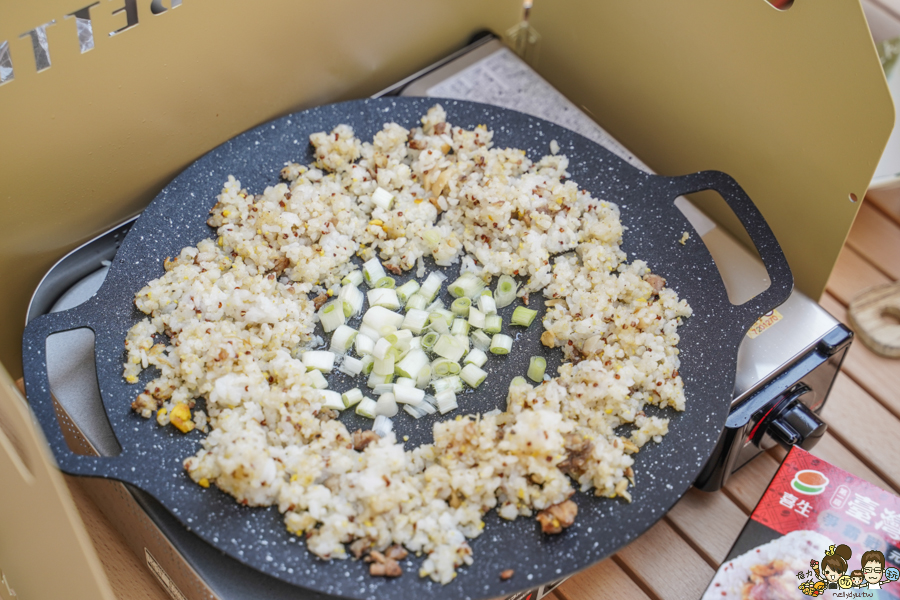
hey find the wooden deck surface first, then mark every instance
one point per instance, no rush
(678, 556)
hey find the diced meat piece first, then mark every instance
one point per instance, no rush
(440, 128)
(579, 450)
(360, 546)
(557, 517)
(507, 574)
(417, 144)
(328, 414)
(394, 269)
(319, 300)
(396, 552)
(656, 282)
(384, 566)
(361, 439)
(548, 339)
(280, 265)
(144, 404)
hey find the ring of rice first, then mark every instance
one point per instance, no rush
(236, 309)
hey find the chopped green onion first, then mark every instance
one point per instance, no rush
(523, 316)
(386, 283)
(383, 388)
(351, 366)
(453, 382)
(415, 411)
(382, 426)
(352, 299)
(342, 339)
(436, 305)
(437, 323)
(366, 408)
(461, 306)
(472, 375)
(424, 377)
(332, 316)
(384, 366)
(487, 292)
(333, 400)
(468, 284)
(364, 344)
(405, 291)
(354, 278)
(501, 344)
(386, 405)
(405, 381)
(476, 357)
(449, 347)
(446, 401)
(321, 360)
(379, 316)
(383, 297)
(448, 315)
(536, 368)
(476, 318)
(352, 397)
(382, 198)
(375, 379)
(382, 348)
(459, 327)
(412, 364)
(317, 380)
(487, 305)
(493, 324)
(416, 302)
(441, 367)
(429, 405)
(480, 340)
(373, 271)
(415, 320)
(387, 330)
(368, 362)
(432, 285)
(429, 340)
(408, 394)
(370, 332)
(506, 291)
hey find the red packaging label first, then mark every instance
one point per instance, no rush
(808, 493)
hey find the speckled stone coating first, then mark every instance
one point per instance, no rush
(152, 456)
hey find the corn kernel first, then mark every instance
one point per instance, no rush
(226, 213)
(181, 418)
(203, 483)
(376, 222)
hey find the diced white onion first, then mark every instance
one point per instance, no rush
(472, 375)
(352, 397)
(408, 395)
(487, 305)
(382, 198)
(476, 318)
(332, 315)
(411, 364)
(364, 344)
(405, 291)
(449, 347)
(476, 357)
(382, 425)
(379, 316)
(373, 271)
(446, 401)
(366, 408)
(432, 285)
(353, 298)
(415, 320)
(317, 380)
(353, 278)
(333, 400)
(382, 347)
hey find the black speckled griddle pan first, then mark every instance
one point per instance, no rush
(151, 456)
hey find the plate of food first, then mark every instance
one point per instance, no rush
(403, 346)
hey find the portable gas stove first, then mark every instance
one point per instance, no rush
(786, 364)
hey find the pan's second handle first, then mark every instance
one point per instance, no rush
(37, 391)
(782, 281)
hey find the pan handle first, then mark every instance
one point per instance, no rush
(37, 391)
(780, 276)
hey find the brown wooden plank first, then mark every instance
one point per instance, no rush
(887, 202)
(605, 579)
(862, 424)
(666, 564)
(877, 239)
(879, 376)
(852, 274)
(710, 522)
(128, 577)
(747, 486)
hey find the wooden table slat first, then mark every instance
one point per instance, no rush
(666, 564)
(604, 579)
(878, 375)
(863, 424)
(747, 486)
(888, 203)
(711, 521)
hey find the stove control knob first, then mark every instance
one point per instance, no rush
(796, 424)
